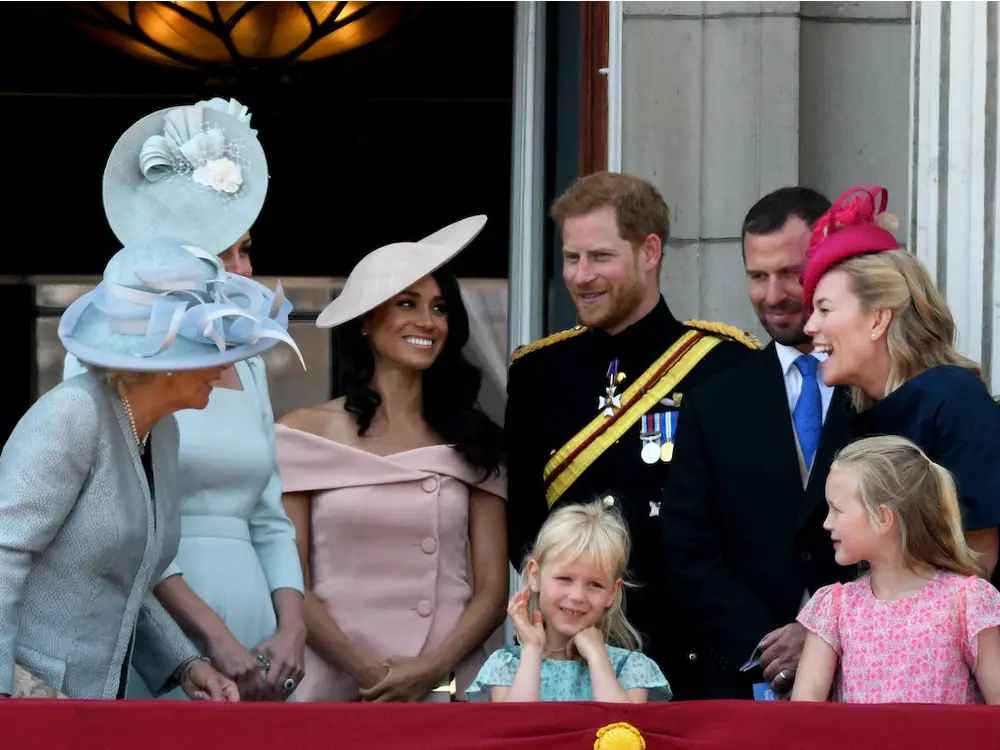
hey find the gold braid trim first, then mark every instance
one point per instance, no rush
(553, 339)
(732, 332)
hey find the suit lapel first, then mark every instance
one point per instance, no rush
(773, 437)
(835, 435)
(771, 427)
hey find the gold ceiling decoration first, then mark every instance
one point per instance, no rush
(199, 35)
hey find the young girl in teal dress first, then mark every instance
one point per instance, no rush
(576, 644)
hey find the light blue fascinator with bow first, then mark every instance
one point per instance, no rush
(167, 305)
(195, 171)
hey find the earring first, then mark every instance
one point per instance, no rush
(874, 335)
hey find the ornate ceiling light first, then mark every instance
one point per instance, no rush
(200, 35)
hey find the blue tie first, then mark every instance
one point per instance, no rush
(808, 413)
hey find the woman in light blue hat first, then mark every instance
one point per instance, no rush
(235, 587)
(89, 484)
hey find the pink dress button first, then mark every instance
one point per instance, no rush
(430, 484)
(429, 545)
(424, 608)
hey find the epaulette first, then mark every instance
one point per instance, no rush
(548, 340)
(732, 332)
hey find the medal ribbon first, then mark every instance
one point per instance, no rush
(668, 427)
(662, 377)
(613, 371)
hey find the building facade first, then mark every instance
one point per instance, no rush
(718, 103)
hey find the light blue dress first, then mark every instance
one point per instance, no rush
(237, 545)
(569, 679)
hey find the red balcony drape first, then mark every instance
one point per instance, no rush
(169, 725)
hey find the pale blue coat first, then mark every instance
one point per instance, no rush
(237, 545)
(82, 543)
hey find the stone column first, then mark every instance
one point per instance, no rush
(855, 85)
(711, 116)
(953, 208)
(527, 212)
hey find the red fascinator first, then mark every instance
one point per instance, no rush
(850, 227)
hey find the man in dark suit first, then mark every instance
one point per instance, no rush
(742, 514)
(591, 410)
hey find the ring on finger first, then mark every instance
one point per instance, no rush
(264, 662)
(782, 676)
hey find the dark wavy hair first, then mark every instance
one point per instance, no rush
(450, 385)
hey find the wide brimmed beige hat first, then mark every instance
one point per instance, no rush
(384, 273)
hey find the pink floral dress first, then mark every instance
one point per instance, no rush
(921, 649)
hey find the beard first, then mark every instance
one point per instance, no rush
(793, 335)
(617, 306)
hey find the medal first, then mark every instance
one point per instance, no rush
(657, 437)
(611, 401)
(666, 452)
(668, 426)
(650, 452)
(650, 437)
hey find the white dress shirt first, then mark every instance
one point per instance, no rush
(793, 378)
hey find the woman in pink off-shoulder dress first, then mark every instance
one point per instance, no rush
(396, 489)
(922, 626)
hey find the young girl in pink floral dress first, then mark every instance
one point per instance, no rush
(921, 627)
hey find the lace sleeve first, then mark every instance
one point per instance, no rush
(498, 671)
(639, 671)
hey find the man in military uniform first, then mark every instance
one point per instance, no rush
(592, 411)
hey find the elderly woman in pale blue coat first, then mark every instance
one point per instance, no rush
(235, 586)
(237, 570)
(89, 485)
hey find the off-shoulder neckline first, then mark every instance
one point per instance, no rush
(354, 449)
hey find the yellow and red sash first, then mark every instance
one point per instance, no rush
(660, 379)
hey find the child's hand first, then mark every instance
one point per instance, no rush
(588, 643)
(529, 634)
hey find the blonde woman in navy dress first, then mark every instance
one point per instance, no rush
(235, 586)
(891, 337)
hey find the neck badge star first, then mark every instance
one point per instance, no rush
(611, 401)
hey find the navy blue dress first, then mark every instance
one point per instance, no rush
(949, 413)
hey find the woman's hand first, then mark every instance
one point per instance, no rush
(529, 634)
(233, 660)
(407, 679)
(201, 682)
(371, 676)
(588, 643)
(286, 651)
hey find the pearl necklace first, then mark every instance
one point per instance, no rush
(141, 444)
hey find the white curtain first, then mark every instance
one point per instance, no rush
(486, 303)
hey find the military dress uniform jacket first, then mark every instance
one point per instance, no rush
(742, 532)
(554, 387)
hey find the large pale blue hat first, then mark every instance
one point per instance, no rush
(195, 171)
(166, 305)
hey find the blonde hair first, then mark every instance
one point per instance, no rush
(117, 380)
(894, 473)
(598, 531)
(921, 333)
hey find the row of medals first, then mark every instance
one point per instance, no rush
(652, 449)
